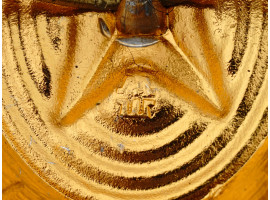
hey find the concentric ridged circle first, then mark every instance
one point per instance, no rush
(174, 149)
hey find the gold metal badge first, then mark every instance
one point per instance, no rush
(135, 99)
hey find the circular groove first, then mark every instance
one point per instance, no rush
(71, 158)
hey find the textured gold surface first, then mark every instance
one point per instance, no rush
(251, 182)
(99, 120)
(20, 182)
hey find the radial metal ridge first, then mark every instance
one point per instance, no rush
(174, 118)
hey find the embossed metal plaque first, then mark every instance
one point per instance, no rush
(135, 99)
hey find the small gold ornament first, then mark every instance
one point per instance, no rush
(135, 99)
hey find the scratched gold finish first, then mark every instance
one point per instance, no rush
(174, 118)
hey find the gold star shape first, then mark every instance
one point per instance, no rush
(169, 62)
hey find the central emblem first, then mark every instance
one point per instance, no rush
(136, 98)
(142, 24)
(140, 108)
